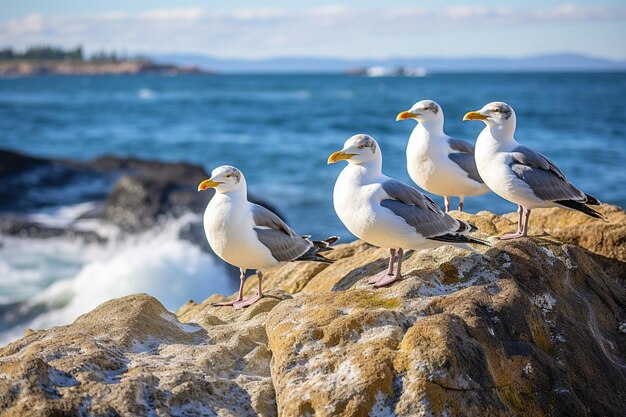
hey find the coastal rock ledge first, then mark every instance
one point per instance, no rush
(533, 327)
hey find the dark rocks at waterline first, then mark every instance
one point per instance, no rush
(13, 163)
(139, 202)
(133, 194)
(28, 184)
(136, 194)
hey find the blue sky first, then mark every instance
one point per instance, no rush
(349, 29)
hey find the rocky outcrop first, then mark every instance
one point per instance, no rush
(133, 194)
(533, 327)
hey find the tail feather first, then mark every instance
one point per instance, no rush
(313, 254)
(325, 245)
(582, 207)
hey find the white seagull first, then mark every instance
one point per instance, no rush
(519, 174)
(387, 213)
(250, 236)
(436, 162)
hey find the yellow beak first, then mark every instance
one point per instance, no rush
(405, 115)
(206, 184)
(339, 156)
(474, 115)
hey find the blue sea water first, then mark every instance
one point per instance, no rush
(280, 129)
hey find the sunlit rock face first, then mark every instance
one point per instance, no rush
(530, 327)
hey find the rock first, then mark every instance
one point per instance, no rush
(14, 163)
(28, 183)
(531, 327)
(138, 203)
(130, 357)
(608, 243)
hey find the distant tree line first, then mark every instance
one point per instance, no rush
(103, 56)
(54, 53)
(42, 53)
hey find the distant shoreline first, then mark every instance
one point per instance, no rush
(79, 67)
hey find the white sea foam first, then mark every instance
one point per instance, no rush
(70, 277)
(63, 216)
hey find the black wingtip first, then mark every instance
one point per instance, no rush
(583, 208)
(323, 259)
(459, 238)
(592, 201)
(477, 241)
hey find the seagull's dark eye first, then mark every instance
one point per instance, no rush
(228, 176)
(496, 110)
(361, 146)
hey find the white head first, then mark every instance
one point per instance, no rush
(224, 179)
(498, 116)
(359, 149)
(425, 112)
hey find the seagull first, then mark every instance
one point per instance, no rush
(386, 212)
(518, 173)
(436, 162)
(250, 236)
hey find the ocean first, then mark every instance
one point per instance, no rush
(279, 130)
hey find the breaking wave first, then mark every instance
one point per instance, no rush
(48, 282)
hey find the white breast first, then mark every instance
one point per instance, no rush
(228, 226)
(493, 162)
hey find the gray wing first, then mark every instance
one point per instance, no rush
(464, 158)
(545, 179)
(284, 244)
(468, 164)
(400, 191)
(461, 146)
(418, 210)
(265, 218)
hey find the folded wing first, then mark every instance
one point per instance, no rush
(284, 244)
(464, 158)
(545, 179)
(419, 211)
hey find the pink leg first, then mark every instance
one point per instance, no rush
(461, 203)
(375, 278)
(242, 279)
(388, 279)
(522, 213)
(251, 300)
(446, 203)
(525, 225)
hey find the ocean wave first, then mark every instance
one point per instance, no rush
(49, 282)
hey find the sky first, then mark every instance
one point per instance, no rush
(345, 29)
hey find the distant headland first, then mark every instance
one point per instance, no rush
(57, 61)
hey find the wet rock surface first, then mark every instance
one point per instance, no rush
(135, 194)
(530, 327)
